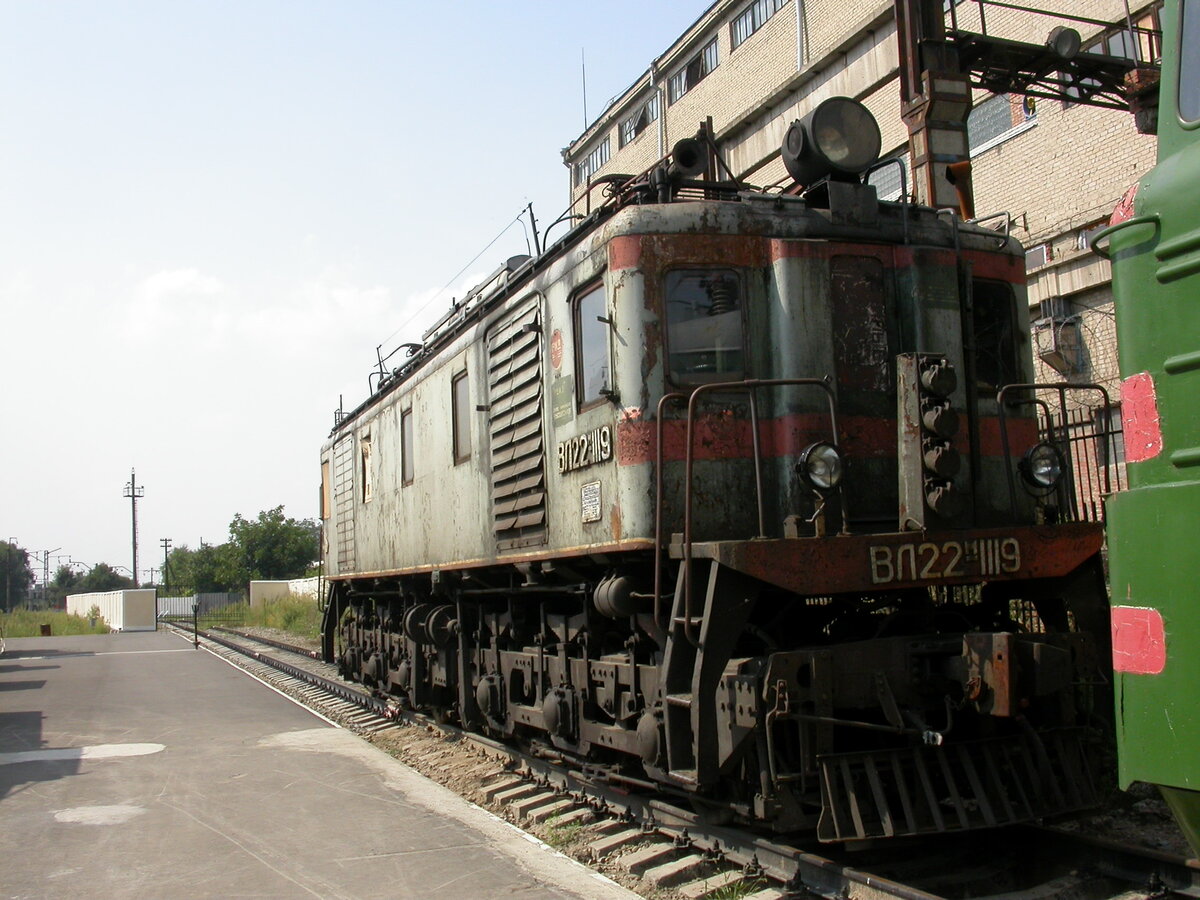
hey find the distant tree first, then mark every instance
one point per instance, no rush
(273, 546)
(207, 569)
(16, 577)
(103, 577)
(65, 581)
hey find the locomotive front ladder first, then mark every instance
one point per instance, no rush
(702, 632)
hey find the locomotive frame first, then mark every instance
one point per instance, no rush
(885, 637)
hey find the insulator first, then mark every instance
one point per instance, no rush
(939, 378)
(943, 498)
(941, 459)
(940, 419)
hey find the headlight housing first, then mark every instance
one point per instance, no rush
(839, 137)
(820, 466)
(1042, 466)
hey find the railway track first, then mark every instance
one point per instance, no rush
(663, 847)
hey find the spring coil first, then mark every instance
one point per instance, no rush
(722, 293)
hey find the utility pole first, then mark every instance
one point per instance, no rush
(166, 576)
(8, 552)
(133, 492)
(46, 574)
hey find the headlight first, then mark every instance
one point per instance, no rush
(1042, 466)
(820, 466)
(839, 136)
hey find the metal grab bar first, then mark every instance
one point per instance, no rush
(1106, 252)
(749, 387)
(674, 397)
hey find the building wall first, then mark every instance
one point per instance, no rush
(262, 591)
(1057, 173)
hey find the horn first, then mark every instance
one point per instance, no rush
(688, 158)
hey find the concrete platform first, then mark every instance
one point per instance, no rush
(133, 766)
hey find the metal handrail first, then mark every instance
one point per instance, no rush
(674, 397)
(749, 386)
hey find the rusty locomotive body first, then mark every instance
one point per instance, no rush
(716, 494)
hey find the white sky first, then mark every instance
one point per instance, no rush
(212, 212)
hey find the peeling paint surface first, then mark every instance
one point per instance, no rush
(1139, 640)
(1139, 418)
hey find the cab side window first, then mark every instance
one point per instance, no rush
(1189, 61)
(705, 340)
(593, 375)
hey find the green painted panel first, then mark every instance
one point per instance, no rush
(1155, 563)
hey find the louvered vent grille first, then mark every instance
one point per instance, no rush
(515, 426)
(343, 501)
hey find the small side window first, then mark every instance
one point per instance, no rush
(704, 326)
(592, 365)
(461, 414)
(364, 455)
(406, 446)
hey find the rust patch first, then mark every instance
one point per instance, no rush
(614, 521)
(625, 252)
(726, 437)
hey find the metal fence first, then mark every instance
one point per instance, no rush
(1092, 443)
(211, 609)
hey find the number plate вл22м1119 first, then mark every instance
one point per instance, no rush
(927, 560)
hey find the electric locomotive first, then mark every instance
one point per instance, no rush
(1154, 569)
(716, 495)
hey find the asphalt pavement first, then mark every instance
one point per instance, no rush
(134, 766)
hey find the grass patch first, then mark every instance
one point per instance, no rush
(29, 622)
(561, 836)
(736, 890)
(294, 613)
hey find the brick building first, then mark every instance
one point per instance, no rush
(1054, 170)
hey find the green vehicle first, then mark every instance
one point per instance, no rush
(1153, 527)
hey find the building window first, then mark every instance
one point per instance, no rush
(640, 120)
(1141, 44)
(364, 456)
(591, 346)
(461, 413)
(692, 73)
(887, 178)
(997, 119)
(752, 19)
(406, 446)
(704, 326)
(591, 163)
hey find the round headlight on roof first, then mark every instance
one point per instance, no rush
(820, 466)
(1042, 466)
(838, 137)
